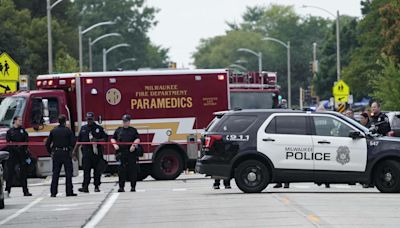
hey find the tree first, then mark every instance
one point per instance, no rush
(133, 20)
(379, 33)
(327, 56)
(386, 85)
(221, 51)
(275, 21)
(65, 63)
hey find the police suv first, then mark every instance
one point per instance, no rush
(258, 147)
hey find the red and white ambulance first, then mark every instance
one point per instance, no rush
(170, 109)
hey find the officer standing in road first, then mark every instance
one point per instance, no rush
(92, 155)
(60, 144)
(126, 154)
(379, 121)
(16, 164)
(227, 183)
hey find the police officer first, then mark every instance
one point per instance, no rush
(379, 121)
(128, 167)
(16, 164)
(59, 144)
(227, 183)
(92, 155)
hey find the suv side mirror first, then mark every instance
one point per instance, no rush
(355, 135)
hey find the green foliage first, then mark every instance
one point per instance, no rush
(378, 34)
(327, 55)
(23, 26)
(65, 63)
(280, 22)
(387, 83)
(221, 51)
(133, 20)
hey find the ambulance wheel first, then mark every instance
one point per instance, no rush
(168, 165)
(252, 176)
(387, 176)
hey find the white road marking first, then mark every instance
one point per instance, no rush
(179, 189)
(140, 190)
(342, 186)
(18, 213)
(103, 211)
(301, 186)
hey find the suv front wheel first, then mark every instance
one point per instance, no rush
(387, 176)
(252, 176)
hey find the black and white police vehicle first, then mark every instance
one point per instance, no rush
(258, 147)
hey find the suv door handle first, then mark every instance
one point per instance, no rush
(269, 140)
(324, 142)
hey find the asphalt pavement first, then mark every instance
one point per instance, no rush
(191, 202)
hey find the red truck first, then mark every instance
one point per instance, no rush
(251, 90)
(170, 109)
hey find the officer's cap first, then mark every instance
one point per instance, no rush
(90, 115)
(126, 118)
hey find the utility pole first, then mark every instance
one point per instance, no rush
(301, 98)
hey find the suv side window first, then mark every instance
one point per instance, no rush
(328, 126)
(271, 128)
(237, 123)
(290, 125)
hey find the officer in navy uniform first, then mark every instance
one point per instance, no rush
(60, 144)
(379, 121)
(125, 154)
(227, 183)
(92, 155)
(16, 164)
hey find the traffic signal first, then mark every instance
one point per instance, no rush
(314, 100)
(307, 94)
(314, 66)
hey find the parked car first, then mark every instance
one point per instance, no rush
(394, 120)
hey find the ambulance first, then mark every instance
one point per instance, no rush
(170, 109)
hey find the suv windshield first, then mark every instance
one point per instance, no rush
(252, 100)
(9, 108)
(357, 124)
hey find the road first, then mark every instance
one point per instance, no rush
(190, 202)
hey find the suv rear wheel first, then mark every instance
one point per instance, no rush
(252, 176)
(387, 176)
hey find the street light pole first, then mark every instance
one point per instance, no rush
(95, 41)
(90, 55)
(125, 60)
(337, 45)
(49, 35)
(238, 66)
(289, 76)
(259, 56)
(81, 33)
(337, 37)
(289, 83)
(105, 52)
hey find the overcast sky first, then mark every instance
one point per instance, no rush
(182, 23)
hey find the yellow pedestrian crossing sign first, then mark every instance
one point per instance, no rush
(341, 92)
(7, 86)
(9, 69)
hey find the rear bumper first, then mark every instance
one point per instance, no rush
(213, 169)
